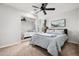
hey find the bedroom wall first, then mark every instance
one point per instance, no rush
(9, 25)
(72, 23)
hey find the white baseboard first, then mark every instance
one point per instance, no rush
(15, 43)
(74, 42)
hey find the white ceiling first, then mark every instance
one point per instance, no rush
(60, 7)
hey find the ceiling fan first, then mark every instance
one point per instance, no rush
(43, 8)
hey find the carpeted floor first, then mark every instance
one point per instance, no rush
(25, 49)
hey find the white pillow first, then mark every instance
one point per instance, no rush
(50, 31)
(59, 31)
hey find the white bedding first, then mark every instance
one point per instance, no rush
(51, 42)
(55, 45)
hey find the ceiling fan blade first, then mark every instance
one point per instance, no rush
(38, 11)
(35, 6)
(44, 12)
(49, 8)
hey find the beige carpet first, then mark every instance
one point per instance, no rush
(25, 49)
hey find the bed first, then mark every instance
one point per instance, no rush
(52, 41)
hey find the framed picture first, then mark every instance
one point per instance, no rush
(59, 23)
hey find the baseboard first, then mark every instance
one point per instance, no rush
(74, 42)
(8, 45)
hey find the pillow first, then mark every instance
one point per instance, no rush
(56, 32)
(59, 31)
(50, 31)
